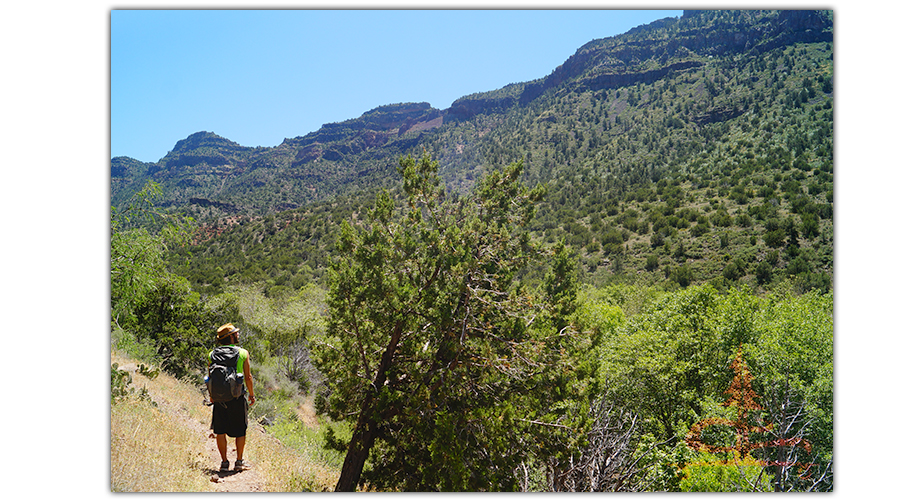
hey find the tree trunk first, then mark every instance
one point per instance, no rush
(366, 426)
(357, 453)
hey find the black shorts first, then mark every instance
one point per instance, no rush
(231, 417)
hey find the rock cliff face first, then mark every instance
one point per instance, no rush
(467, 107)
(208, 140)
(202, 153)
(606, 63)
(615, 80)
(622, 60)
(373, 129)
(780, 28)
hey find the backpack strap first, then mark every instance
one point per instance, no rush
(225, 355)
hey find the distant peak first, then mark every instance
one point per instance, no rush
(202, 138)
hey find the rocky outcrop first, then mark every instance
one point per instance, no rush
(390, 118)
(718, 114)
(208, 141)
(798, 26)
(196, 159)
(605, 63)
(203, 202)
(307, 154)
(467, 107)
(615, 80)
(424, 123)
(781, 28)
(374, 129)
(202, 153)
(398, 116)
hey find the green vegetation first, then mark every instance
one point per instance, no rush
(433, 348)
(726, 160)
(665, 215)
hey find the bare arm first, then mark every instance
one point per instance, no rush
(248, 379)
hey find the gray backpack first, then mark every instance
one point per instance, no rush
(224, 382)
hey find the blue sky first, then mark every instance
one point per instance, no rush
(258, 77)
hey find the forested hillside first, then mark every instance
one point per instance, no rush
(630, 260)
(687, 151)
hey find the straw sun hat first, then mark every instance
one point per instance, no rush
(226, 330)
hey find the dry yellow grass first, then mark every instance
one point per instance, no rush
(286, 469)
(148, 453)
(166, 448)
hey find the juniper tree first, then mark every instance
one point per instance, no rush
(433, 348)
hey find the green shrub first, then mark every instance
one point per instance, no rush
(127, 343)
(683, 275)
(737, 474)
(121, 388)
(763, 273)
(734, 270)
(774, 239)
(612, 241)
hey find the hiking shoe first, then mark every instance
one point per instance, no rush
(239, 465)
(224, 466)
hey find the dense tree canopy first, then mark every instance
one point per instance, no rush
(433, 344)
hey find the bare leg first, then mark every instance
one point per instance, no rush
(239, 444)
(222, 443)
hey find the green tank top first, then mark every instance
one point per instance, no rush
(242, 355)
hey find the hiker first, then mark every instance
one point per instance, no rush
(229, 418)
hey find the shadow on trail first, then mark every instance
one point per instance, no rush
(210, 471)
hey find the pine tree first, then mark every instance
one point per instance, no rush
(433, 348)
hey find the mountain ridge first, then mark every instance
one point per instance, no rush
(199, 166)
(688, 150)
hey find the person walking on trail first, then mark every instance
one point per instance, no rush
(229, 418)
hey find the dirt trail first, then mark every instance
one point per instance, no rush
(244, 481)
(247, 480)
